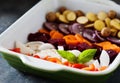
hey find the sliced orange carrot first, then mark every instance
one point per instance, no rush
(45, 58)
(54, 59)
(90, 68)
(52, 32)
(56, 35)
(81, 39)
(43, 31)
(70, 39)
(108, 45)
(67, 63)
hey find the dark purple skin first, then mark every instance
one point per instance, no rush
(83, 46)
(71, 47)
(99, 36)
(112, 54)
(76, 28)
(99, 50)
(58, 42)
(38, 37)
(50, 26)
(64, 28)
(114, 40)
(90, 35)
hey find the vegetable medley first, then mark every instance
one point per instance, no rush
(86, 41)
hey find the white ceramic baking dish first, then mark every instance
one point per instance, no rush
(31, 22)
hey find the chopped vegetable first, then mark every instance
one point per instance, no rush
(16, 50)
(56, 35)
(108, 45)
(70, 39)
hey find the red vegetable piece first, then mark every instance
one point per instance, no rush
(16, 50)
(79, 66)
(36, 56)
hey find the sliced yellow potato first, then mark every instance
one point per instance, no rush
(114, 32)
(82, 20)
(115, 24)
(71, 16)
(91, 16)
(63, 19)
(102, 15)
(99, 25)
(107, 21)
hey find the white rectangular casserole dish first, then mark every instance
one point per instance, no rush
(31, 22)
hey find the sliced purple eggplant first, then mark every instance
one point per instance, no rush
(64, 28)
(114, 40)
(50, 26)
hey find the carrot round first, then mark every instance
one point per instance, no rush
(55, 60)
(108, 45)
(81, 39)
(70, 39)
(90, 68)
(56, 35)
(43, 31)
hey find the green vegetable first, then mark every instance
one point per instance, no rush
(86, 55)
(67, 55)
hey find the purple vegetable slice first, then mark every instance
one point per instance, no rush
(90, 35)
(99, 36)
(50, 26)
(64, 28)
(76, 28)
(114, 40)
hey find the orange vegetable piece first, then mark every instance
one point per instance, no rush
(45, 58)
(67, 63)
(43, 31)
(52, 32)
(70, 39)
(90, 68)
(108, 45)
(56, 35)
(16, 50)
(54, 59)
(81, 39)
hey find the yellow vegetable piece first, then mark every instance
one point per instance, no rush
(71, 16)
(66, 12)
(107, 21)
(58, 14)
(102, 15)
(89, 25)
(91, 16)
(99, 25)
(63, 19)
(118, 34)
(113, 32)
(82, 20)
(115, 24)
